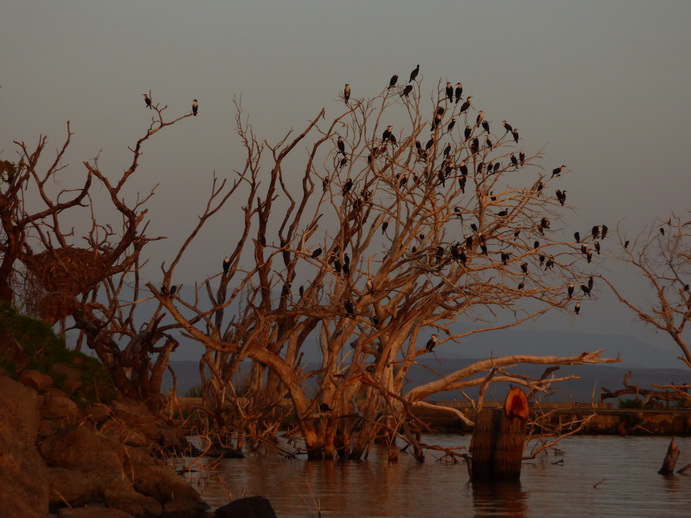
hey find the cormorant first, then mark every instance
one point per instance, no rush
(195, 107)
(393, 81)
(577, 236)
(488, 143)
(521, 285)
(515, 136)
(626, 244)
(596, 231)
(173, 290)
(466, 104)
(467, 132)
(384, 226)
(348, 185)
(507, 126)
(407, 90)
(577, 308)
(414, 73)
(485, 125)
(544, 223)
(226, 264)
(662, 230)
(514, 160)
(479, 118)
(370, 285)
(348, 305)
(570, 288)
(387, 134)
(597, 247)
(521, 157)
(461, 184)
(316, 253)
(431, 343)
(458, 92)
(524, 267)
(463, 168)
(561, 196)
(603, 230)
(505, 257)
(346, 93)
(447, 150)
(341, 145)
(449, 91)
(557, 171)
(452, 123)
(590, 282)
(147, 100)
(585, 289)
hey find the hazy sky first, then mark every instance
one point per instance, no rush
(603, 85)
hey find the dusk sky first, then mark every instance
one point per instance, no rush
(604, 87)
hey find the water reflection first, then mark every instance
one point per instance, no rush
(596, 476)
(504, 499)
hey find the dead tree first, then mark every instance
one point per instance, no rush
(661, 255)
(368, 246)
(89, 275)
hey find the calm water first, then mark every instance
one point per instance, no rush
(552, 485)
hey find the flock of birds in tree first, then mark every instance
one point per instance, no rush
(458, 251)
(454, 97)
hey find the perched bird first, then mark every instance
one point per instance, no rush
(348, 305)
(348, 185)
(346, 93)
(485, 126)
(569, 290)
(393, 81)
(414, 73)
(317, 252)
(341, 145)
(561, 196)
(507, 126)
(449, 91)
(585, 289)
(577, 308)
(384, 226)
(226, 264)
(147, 100)
(626, 244)
(514, 160)
(557, 171)
(479, 118)
(370, 285)
(521, 285)
(577, 236)
(488, 143)
(195, 107)
(466, 104)
(387, 134)
(467, 132)
(524, 267)
(458, 92)
(521, 157)
(604, 231)
(515, 136)
(590, 283)
(463, 168)
(451, 125)
(431, 343)
(173, 290)
(597, 247)
(406, 91)
(596, 231)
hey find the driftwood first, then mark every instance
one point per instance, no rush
(657, 396)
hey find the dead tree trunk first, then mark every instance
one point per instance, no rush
(670, 459)
(498, 439)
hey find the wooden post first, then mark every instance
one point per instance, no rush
(498, 440)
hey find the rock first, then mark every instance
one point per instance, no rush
(184, 509)
(71, 376)
(72, 487)
(58, 407)
(139, 505)
(82, 447)
(249, 507)
(137, 416)
(21, 467)
(157, 480)
(36, 380)
(93, 512)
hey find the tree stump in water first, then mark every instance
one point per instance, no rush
(670, 459)
(498, 439)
